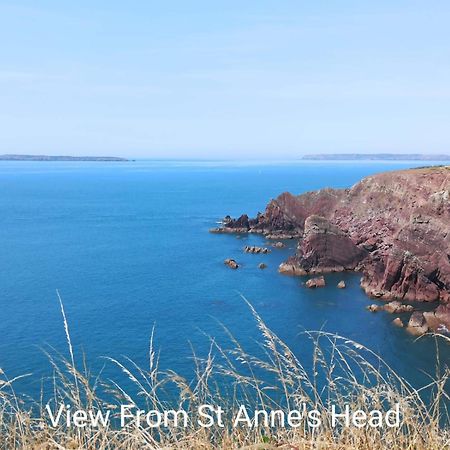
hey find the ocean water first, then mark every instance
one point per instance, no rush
(127, 246)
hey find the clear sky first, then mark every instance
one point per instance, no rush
(225, 79)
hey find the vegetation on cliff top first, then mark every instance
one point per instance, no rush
(341, 373)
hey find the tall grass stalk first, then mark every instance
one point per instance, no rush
(341, 372)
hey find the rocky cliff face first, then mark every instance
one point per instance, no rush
(394, 227)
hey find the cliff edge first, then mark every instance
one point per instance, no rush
(394, 227)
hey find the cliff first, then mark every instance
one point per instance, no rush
(394, 227)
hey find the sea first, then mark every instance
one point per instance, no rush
(128, 248)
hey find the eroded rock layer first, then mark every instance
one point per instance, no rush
(394, 227)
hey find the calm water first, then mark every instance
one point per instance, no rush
(127, 245)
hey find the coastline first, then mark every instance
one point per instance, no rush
(387, 226)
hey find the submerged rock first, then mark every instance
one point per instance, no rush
(315, 282)
(262, 266)
(341, 284)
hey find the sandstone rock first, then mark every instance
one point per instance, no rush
(375, 308)
(315, 282)
(370, 244)
(291, 269)
(255, 249)
(341, 284)
(283, 235)
(325, 248)
(417, 325)
(396, 307)
(439, 319)
(398, 322)
(262, 266)
(231, 263)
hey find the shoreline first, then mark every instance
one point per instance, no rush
(391, 227)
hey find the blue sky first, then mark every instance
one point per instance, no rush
(225, 79)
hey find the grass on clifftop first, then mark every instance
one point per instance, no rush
(341, 372)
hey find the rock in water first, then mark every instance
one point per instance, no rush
(341, 284)
(439, 319)
(417, 325)
(262, 266)
(231, 263)
(255, 249)
(315, 282)
(396, 307)
(398, 322)
(374, 308)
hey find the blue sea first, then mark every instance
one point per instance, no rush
(127, 246)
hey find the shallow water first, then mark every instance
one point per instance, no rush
(127, 245)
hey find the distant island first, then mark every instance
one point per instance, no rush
(59, 158)
(375, 157)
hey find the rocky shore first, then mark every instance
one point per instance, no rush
(393, 227)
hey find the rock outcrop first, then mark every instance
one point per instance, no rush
(255, 249)
(439, 320)
(375, 308)
(396, 307)
(315, 282)
(325, 248)
(417, 325)
(394, 227)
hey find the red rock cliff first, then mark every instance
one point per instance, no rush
(393, 226)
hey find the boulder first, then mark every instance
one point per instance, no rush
(417, 325)
(341, 284)
(398, 322)
(262, 266)
(439, 319)
(375, 308)
(288, 268)
(396, 307)
(231, 263)
(278, 244)
(315, 282)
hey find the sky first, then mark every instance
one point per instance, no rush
(224, 79)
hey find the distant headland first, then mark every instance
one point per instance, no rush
(59, 158)
(375, 157)
(392, 227)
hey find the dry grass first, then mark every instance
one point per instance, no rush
(340, 372)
